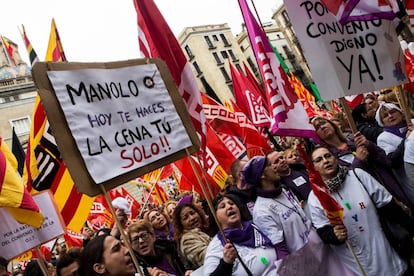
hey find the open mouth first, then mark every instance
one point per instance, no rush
(231, 213)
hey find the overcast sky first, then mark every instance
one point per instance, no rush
(103, 30)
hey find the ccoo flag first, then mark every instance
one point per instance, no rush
(289, 118)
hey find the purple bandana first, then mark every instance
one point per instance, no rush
(249, 236)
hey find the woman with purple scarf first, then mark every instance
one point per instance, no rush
(244, 250)
(392, 140)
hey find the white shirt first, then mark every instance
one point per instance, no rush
(282, 218)
(260, 260)
(364, 230)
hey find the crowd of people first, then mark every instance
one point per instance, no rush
(268, 220)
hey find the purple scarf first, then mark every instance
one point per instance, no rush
(400, 130)
(249, 236)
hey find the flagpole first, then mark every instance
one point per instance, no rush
(41, 261)
(148, 197)
(123, 235)
(273, 140)
(348, 113)
(403, 104)
(355, 258)
(205, 177)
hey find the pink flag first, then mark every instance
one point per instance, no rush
(289, 118)
(356, 10)
(157, 40)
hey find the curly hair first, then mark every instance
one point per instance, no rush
(178, 226)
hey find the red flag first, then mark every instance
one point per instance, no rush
(187, 180)
(409, 7)
(289, 118)
(233, 123)
(135, 206)
(354, 100)
(234, 145)
(100, 215)
(333, 210)
(252, 79)
(44, 167)
(335, 107)
(157, 40)
(218, 160)
(73, 239)
(249, 99)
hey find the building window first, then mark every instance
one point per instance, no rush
(188, 51)
(217, 58)
(223, 37)
(209, 43)
(224, 54)
(215, 38)
(233, 56)
(197, 68)
(21, 125)
(225, 74)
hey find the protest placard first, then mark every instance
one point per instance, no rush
(16, 238)
(114, 121)
(344, 60)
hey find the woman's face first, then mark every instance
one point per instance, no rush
(228, 214)
(157, 219)
(323, 128)
(292, 157)
(116, 259)
(143, 242)
(190, 218)
(170, 209)
(391, 117)
(325, 163)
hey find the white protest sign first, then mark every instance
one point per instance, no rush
(346, 59)
(121, 119)
(16, 238)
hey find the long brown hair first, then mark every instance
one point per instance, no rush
(178, 226)
(337, 130)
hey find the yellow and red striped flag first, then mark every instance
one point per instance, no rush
(45, 168)
(13, 194)
(32, 54)
(55, 49)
